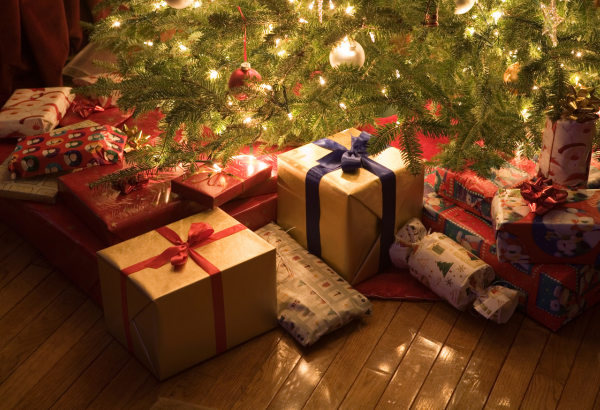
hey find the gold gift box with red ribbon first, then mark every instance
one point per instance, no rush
(188, 291)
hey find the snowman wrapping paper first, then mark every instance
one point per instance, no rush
(566, 152)
(452, 272)
(34, 111)
(65, 150)
(568, 233)
(312, 300)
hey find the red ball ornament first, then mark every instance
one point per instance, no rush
(239, 76)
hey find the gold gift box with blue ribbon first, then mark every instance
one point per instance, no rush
(344, 205)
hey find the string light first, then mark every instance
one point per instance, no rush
(182, 47)
(197, 4)
(578, 54)
(350, 10)
(213, 74)
(116, 24)
(322, 80)
(281, 53)
(277, 40)
(311, 5)
(247, 120)
(266, 87)
(535, 87)
(301, 20)
(496, 15)
(290, 116)
(470, 30)
(331, 6)
(525, 113)
(343, 106)
(397, 74)
(372, 36)
(149, 43)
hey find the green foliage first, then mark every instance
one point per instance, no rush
(444, 82)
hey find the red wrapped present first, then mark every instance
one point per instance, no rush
(65, 241)
(568, 232)
(116, 217)
(253, 212)
(66, 149)
(213, 187)
(110, 116)
(550, 294)
(474, 193)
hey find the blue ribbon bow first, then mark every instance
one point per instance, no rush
(350, 160)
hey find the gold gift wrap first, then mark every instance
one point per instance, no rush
(350, 206)
(168, 313)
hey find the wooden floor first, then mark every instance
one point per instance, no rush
(56, 354)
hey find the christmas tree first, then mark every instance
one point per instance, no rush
(486, 78)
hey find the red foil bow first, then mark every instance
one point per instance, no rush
(85, 107)
(131, 185)
(542, 196)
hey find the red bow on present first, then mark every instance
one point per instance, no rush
(85, 107)
(200, 234)
(542, 196)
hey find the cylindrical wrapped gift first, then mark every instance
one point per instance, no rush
(452, 272)
(566, 151)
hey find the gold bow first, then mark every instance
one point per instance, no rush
(581, 106)
(135, 138)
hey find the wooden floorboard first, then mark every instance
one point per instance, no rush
(55, 353)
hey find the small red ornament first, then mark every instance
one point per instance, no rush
(239, 76)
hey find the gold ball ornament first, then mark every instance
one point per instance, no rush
(179, 4)
(463, 6)
(511, 75)
(347, 52)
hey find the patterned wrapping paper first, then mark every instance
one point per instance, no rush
(594, 176)
(212, 188)
(34, 111)
(452, 272)
(67, 149)
(312, 300)
(327, 206)
(568, 233)
(474, 193)
(105, 102)
(551, 294)
(173, 317)
(116, 217)
(42, 188)
(566, 152)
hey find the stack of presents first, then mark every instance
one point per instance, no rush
(155, 249)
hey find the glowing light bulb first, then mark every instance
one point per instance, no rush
(372, 36)
(343, 106)
(213, 74)
(277, 40)
(281, 53)
(149, 43)
(322, 80)
(116, 24)
(230, 103)
(496, 15)
(383, 91)
(301, 20)
(350, 10)
(397, 74)
(576, 79)
(331, 5)
(311, 5)
(535, 87)
(470, 30)
(290, 116)
(247, 120)
(266, 87)
(182, 47)
(578, 54)
(217, 168)
(525, 113)
(197, 4)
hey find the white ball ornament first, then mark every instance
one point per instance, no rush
(462, 6)
(179, 4)
(349, 52)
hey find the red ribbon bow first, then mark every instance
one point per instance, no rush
(542, 196)
(85, 107)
